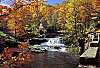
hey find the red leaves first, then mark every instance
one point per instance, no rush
(23, 56)
(7, 53)
(5, 66)
(5, 9)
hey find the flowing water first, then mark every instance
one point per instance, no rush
(52, 60)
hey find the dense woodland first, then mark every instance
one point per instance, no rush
(71, 19)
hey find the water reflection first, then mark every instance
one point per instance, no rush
(52, 60)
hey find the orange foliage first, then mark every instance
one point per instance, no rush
(96, 4)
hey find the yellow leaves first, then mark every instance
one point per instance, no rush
(30, 8)
(69, 5)
(69, 26)
(34, 14)
(11, 24)
(71, 10)
(43, 10)
(18, 15)
(61, 9)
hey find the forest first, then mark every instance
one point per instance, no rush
(39, 19)
(71, 19)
